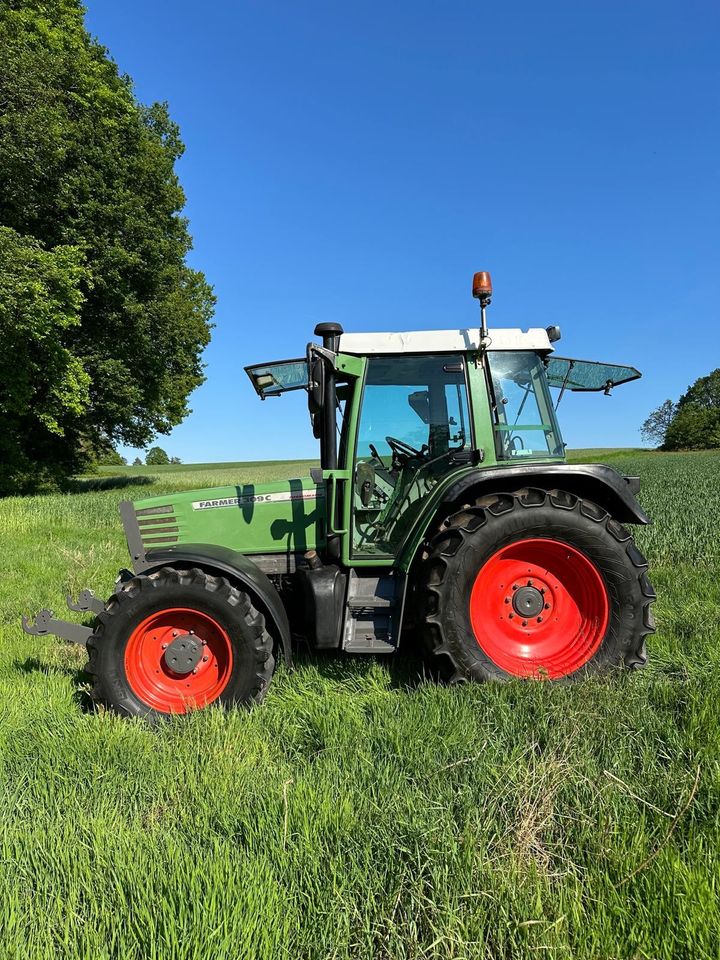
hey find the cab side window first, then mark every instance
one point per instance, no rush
(414, 418)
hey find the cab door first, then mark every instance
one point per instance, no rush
(414, 422)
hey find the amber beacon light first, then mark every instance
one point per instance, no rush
(482, 291)
(482, 286)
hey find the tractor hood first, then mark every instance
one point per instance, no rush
(287, 516)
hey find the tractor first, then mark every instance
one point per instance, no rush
(443, 514)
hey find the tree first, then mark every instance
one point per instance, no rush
(705, 392)
(137, 462)
(693, 428)
(656, 425)
(88, 193)
(693, 423)
(175, 460)
(111, 458)
(43, 385)
(156, 457)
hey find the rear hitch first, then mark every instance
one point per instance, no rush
(46, 624)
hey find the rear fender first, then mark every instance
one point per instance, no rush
(221, 561)
(593, 481)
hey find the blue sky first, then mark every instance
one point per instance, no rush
(358, 162)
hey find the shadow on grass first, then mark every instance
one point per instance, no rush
(406, 671)
(80, 678)
(93, 484)
(34, 665)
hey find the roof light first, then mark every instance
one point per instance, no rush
(482, 285)
(553, 333)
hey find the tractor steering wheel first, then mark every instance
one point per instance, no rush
(403, 451)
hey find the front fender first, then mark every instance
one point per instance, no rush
(224, 561)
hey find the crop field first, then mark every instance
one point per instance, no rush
(363, 811)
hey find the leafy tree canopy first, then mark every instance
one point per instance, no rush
(156, 457)
(98, 301)
(705, 392)
(693, 423)
(111, 458)
(693, 428)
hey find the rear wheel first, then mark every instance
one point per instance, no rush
(535, 584)
(176, 641)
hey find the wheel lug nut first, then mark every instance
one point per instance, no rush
(195, 670)
(547, 606)
(205, 659)
(539, 619)
(515, 586)
(511, 616)
(524, 623)
(507, 599)
(529, 583)
(175, 633)
(164, 646)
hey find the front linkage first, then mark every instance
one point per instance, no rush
(46, 624)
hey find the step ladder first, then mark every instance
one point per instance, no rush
(372, 611)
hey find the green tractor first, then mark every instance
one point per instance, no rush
(443, 512)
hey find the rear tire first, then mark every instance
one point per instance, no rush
(136, 668)
(534, 584)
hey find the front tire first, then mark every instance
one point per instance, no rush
(535, 584)
(176, 641)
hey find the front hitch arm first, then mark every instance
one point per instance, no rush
(46, 624)
(87, 602)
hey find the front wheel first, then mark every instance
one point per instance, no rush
(176, 641)
(535, 584)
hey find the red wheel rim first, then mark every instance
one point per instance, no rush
(539, 608)
(151, 678)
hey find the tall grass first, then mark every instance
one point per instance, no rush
(362, 812)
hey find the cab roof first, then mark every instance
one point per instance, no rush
(445, 341)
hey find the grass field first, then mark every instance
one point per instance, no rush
(360, 812)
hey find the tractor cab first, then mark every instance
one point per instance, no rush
(399, 414)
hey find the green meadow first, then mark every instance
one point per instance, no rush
(362, 811)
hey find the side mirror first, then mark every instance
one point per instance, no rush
(365, 482)
(316, 384)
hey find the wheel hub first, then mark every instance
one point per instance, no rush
(183, 654)
(528, 601)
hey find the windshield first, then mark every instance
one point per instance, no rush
(270, 379)
(525, 423)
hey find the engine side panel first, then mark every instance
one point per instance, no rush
(286, 517)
